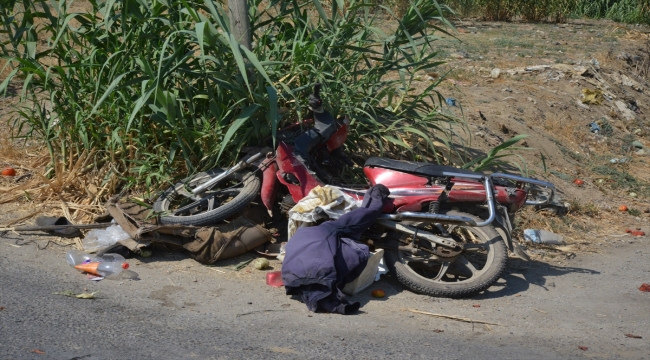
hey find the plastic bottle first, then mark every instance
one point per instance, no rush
(106, 265)
(103, 268)
(78, 257)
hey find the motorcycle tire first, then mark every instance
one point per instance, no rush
(455, 279)
(246, 186)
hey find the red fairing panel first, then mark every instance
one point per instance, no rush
(269, 182)
(392, 178)
(338, 138)
(410, 192)
(288, 164)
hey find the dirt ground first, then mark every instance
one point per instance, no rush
(583, 293)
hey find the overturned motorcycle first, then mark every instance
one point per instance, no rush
(446, 231)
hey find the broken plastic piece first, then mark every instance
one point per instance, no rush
(96, 240)
(274, 278)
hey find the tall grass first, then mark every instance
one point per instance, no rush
(158, 88)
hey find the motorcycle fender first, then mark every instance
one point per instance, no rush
(504, 228)
(269, 184)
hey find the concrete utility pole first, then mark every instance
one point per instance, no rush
(240, 25)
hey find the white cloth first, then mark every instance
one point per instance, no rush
(322, 202)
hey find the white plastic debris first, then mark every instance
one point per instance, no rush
(98, 239)
(543, 237)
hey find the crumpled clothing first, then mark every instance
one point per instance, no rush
(321, 259)
(322, 202)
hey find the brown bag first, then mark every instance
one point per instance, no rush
(206, 245)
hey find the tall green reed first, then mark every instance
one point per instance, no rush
(159, 88)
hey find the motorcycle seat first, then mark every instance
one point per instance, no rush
(419, 168)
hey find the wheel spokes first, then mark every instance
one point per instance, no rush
(463, 262)
(209, 200)
(443, 270)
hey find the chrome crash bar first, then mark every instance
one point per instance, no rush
(546, 184)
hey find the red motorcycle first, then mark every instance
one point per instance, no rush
(445, 231)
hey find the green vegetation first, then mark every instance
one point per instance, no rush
(630, 11)
(160, 88)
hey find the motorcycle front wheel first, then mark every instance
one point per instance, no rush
(437, 271)
(177, 205)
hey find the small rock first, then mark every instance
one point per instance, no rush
(495, 73)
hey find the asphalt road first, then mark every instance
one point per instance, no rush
(182, 310)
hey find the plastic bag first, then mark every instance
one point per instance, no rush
(98, 239)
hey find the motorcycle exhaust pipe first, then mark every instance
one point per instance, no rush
(409, 215)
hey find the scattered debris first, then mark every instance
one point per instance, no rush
(241, 264)
(476, 305)
(625, 111)
(543, 237)
(495, 73)
(452, 317)
(637, 144)
(633, 336)
(101, 266)
(450, 101)
(71, 293)
(578, 182)
(37, 351)
(622, 208)
(274, 279)
(592, 97)
(595, 128)
(9, 172)
(618, 161)
(437, 330)
(636, 232)
(378, 293)
(99, 239)
(482, 116)
(258, 311)
(645, 287)
(583, 348)
(261, 263)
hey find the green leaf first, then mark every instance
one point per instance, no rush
(273, 112)
(241, 119)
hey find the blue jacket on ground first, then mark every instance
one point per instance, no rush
(321, 259)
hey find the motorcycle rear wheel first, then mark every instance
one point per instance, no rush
(476, 268)
(228, 197)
